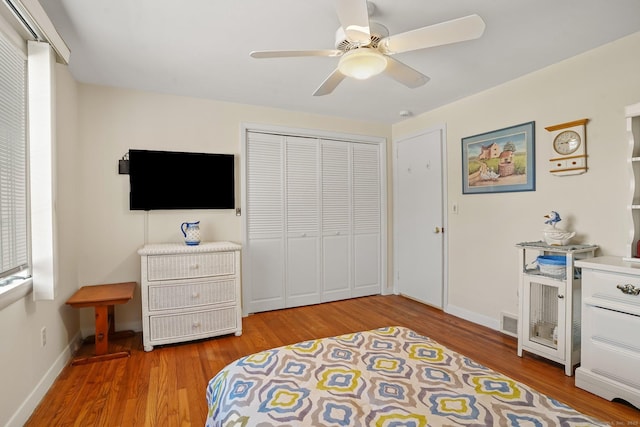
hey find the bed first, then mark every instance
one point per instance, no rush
(384, 377)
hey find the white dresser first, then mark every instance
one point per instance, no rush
(189, 292)
(610, 328)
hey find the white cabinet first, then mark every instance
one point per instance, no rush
(610, 364)
(549, 303)
(313, 220)
(189, 292)
(632, 113)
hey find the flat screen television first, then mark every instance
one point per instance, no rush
(180, 180)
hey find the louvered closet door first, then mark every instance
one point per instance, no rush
(303, 224)
(313, 221)
(336, 221)
(367, 212)
(263, 277)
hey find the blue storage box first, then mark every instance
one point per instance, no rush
(552, 265)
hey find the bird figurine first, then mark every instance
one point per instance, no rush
(556, 236)
(554, 218)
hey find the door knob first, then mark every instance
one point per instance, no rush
(437, 230)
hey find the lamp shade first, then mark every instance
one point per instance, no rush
(362, 63)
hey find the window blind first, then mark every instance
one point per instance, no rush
(13, 161)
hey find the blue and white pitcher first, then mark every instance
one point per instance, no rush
(191, 232)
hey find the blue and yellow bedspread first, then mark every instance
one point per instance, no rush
(385, 377)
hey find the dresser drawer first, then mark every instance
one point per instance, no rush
(612, 343)
(192, 294)
(186, 266)
(601, 289)
(192, 324)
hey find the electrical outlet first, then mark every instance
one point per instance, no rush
(43, 336)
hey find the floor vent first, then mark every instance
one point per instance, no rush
(509, 324)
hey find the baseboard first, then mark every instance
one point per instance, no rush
(473, 317)
(387, 291)
(25, 410)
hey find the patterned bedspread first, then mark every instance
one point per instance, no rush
(385, 377)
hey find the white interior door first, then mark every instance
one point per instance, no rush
(367, 217)
(418, 217)
(314, 226)
(264, 246)
(302, 218)
(336, 221)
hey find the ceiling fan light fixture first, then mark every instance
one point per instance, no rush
(362, 63)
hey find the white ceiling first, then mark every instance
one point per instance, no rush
(200, 48)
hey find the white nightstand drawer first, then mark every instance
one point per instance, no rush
(186, 266)
(613, 339)
(603, 289)
(192, 324)
(193, 294)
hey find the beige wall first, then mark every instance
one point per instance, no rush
(483, 274)
(25, 366)
(111, 122)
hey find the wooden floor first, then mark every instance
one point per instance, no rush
(166, 387)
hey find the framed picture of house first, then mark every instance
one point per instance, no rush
(499, 161)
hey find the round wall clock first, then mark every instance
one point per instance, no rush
(567, 142)
(569, 155)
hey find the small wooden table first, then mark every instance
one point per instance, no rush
(102, 298)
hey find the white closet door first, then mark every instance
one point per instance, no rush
(313, 221)
(336, 221)
(264, 285)
(366, 219)
(303, 223)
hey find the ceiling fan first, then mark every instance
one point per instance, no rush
(365, 47)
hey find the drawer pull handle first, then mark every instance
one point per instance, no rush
(560, 296)
(195, 266)
(196, 325)
(629, 289)
(195, 295)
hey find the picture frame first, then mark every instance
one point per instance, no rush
(499, 161)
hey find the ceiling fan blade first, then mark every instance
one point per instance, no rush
(454, 31)
(354, 19)
(404, 74)
(330, 83)
(294, 53)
